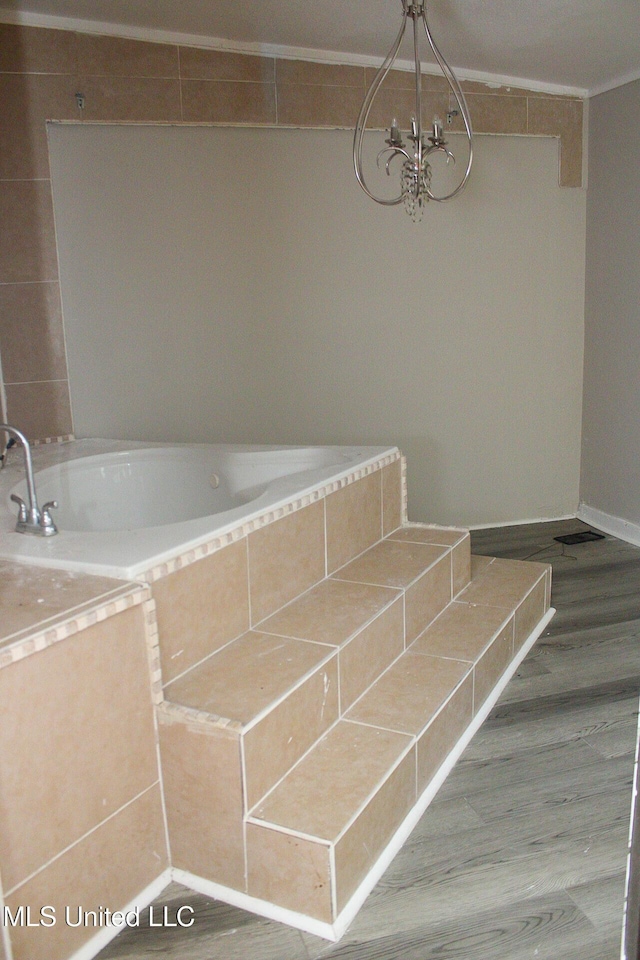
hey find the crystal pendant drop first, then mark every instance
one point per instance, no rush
(415, 182)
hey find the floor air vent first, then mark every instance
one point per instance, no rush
(583, 537)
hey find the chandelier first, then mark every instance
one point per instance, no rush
(415, 169)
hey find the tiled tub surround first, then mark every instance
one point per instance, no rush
(304, 732)
(315, 677)
(132, 81)
(81, 814)
(136, 510)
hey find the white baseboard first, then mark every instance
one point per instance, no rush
(107, 933)
(608, 523)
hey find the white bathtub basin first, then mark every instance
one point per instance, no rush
(135, 489)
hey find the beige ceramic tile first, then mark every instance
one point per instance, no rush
(36, 50)
(355, 616)
(492, 665)
(477, 86)
(405, 80)
(423, 569)
(43, 408)
(26, 102)
(317, 105)
(441, 536)
(89, 747)
(202, 782)
(130, 99)
(459, 540)
(444, 731)
(529, 613)
(334, 781)
(354, 520)
(460, 566)
(331, 612)
(329, 74)
(247, 676)
(34, 598)
(395, 79)
(427, 597)
(490, 114)
(563, 118)
(102, 56)
(280, 738)
(571, 158)
(289, 871)
(392, 497)
(107, 869)
(479, 564)
(410, 693)
(201, 608)
(364, 658)
(31, 334)
(358, 849)
(463, 631)
(27, 239)
(199, 64)
(400, 104)
(504, 583)
(393, 564)
(226, 101)
(285, 559)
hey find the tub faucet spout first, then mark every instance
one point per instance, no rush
(30, 518)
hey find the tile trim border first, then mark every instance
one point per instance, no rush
(98, 611)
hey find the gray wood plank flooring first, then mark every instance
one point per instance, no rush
(522, 855)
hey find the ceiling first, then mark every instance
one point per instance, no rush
(579, 46)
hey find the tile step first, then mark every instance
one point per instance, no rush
(332, 816)
(282, 685)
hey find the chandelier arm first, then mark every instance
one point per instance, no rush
(365, 110)
(452, 80)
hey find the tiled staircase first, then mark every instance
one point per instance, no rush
(297, 758)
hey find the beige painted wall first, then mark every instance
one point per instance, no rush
(611, 443)
(236, 285)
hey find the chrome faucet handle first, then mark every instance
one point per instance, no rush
(47, 525)
(23, 514)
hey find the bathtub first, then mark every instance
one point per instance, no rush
(124, 508)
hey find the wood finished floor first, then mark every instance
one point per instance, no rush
(523, 853)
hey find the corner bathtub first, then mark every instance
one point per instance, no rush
(124, 508)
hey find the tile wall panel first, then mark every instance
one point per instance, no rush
(226, 101)
(201, 608)
(85, 752)
(125, 80)
(31, 332)
(107, 868)
(119, 57)
(204, 813)
(41, 409)
(197, 64)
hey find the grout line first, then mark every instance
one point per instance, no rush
(333, 654)
(81, 839)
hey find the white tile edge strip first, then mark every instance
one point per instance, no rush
(92, 947)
